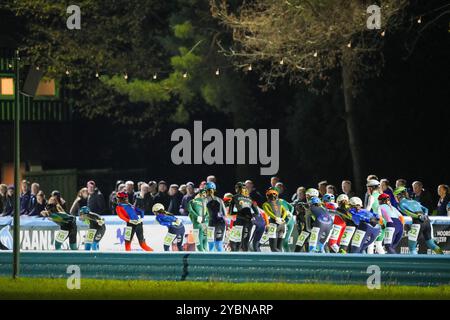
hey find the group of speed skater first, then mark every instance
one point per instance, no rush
(237, 223)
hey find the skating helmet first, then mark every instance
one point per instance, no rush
(372, 183)
(311, 192)
(272, 191)
(342, 197)
(328, 197)
(383, 197)
(355, 201)
(399, 190)
(315, 201)
(122, 195)
(210, 186)
(227, 197)
(84, 210)
(158, 207)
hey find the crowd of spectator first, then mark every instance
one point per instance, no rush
(175, 197)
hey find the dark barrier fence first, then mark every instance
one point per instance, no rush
(422, 270)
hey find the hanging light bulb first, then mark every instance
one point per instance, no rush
(349, 45)
(37, 68)
(96, 75)
(217, 72)
(67, 72)
(10, 65)
(315, 54)
(383, 33)
(185, 75)
(419, 20)
(281, 61)
(125, 76)
(249, 68)
(155, 76)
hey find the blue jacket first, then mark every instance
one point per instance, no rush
(167, 220)
(362, 215)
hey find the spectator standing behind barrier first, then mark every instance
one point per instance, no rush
(96, 201)
(346, 186)
(190, 194)
(386, 188)
(422, 196)
(444, 199)
(144, 200)
(80, 201)
(162, 196)
(331, 189)
(112, 197)
(254, 194)
(25, 198)
(129, 185)
(8, 207)
(182, 189)
(35, 188)
(40, 204)
(175, 199)
(322, 187)
(273, 181)
(3, 191)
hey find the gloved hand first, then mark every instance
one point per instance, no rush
(100, 222)
(278, 220)
(135, 222)
(199, 219)
(177, 222)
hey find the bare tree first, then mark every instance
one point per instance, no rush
(307, 41)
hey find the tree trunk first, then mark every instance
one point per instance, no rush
(352, 131)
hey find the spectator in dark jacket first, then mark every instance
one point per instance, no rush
(40, 204)
(144, 200)
(112, 197)
(444, 199)
(162, 196)
(8, 207)
(3, 191)
(129, 185)
(25, 198)
(386, 188)
(96, 201)
(190, 194)
(423, 196)
(282, 191)
(346, 186)
(175, 199)
(254, 194)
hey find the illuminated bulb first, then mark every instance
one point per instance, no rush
(249, 68)
(67, 72)
(125, 76)
(383, 33)
(96, 74)
(419, 20)
(349, 45)
(154, 76)
(315, 54)
(37, 68)
(185, 75)
(217, 72)
(10, 65)
(281, 61)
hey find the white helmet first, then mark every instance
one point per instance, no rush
(373, 183)
(355, 201)
(157, 207)
(312, 192)
(342, 197)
